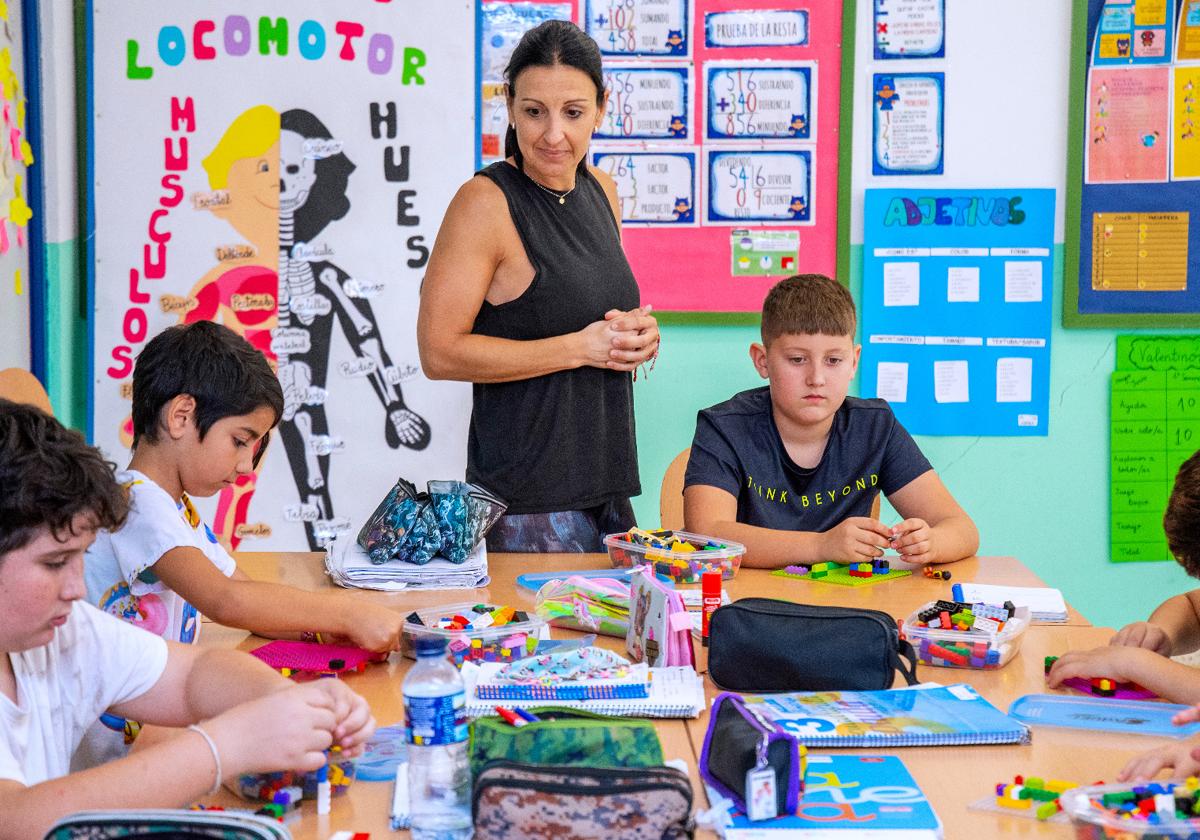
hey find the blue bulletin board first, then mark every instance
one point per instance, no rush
(956, 308)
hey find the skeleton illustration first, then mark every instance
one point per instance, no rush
(312, 292)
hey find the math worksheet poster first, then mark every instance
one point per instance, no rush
(956, 308)
(282, 167)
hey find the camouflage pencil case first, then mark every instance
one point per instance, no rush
(515, 801)
(569, 737)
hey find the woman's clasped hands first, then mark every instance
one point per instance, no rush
(622, 341)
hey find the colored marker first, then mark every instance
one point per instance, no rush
(529, 717)
(512, 718)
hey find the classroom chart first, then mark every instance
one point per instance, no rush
(910, 29)
(956, 308)
(255, 171)
(1134, 157)
(1155, 427)
(721, 134)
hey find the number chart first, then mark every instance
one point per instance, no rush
(1155, 428)
(721, 133)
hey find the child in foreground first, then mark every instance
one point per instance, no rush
(791, 469)
(204, 402)
(1140, 651)
(63, 662)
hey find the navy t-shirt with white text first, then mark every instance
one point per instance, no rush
(738, 449)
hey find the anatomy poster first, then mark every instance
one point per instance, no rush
(282, 168)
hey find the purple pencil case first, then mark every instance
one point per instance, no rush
(737, 734)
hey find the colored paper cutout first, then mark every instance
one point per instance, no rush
(1185, 141)
(1128, 125)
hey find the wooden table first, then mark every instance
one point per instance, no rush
(950, 777)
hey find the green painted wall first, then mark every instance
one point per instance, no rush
(66, 331)
(1042, 500)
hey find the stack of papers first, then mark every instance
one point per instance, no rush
(1046, 606)
(349, 565)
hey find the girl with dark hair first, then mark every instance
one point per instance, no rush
(528, 295)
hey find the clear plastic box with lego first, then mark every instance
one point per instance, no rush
(1102, 812)
(477, 632)
(679, 555)
(951, 634)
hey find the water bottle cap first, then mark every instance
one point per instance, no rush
(428, 645)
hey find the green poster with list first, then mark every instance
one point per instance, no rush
(1155, 420)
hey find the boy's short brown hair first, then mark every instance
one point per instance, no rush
(811, 304)
(1181, 522)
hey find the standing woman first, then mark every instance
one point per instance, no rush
(529, 296)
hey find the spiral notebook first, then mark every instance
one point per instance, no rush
(907, 717)
(672, 692)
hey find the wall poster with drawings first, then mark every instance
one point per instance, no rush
(284, 174)
(722, 136)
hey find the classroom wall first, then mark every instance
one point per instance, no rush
(1042, 500)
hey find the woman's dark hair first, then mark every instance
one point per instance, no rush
(50, 476)
(327, 201)
(555, 42)
(225, 374)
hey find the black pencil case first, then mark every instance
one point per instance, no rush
(763, 645)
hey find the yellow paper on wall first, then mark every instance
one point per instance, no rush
(1185, 146)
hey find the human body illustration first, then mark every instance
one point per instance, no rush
(313, 292)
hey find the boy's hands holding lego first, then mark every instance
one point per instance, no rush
(913, 540)
(856, 539)
(354, 723)
(1143, 634)
(1123, 664)
(370, 626)
(286, 730)
(1183, 759)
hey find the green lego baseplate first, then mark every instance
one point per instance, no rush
(840, 576)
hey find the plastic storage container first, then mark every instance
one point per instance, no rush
(679, 566)
(978, 649)
(1092, 821)
(264, 787)
(497, 643)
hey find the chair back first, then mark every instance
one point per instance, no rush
(670, 496)
(21, 386)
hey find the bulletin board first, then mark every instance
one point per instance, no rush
(956, 311)
(1133, 177)
(282, 167)
(1154, 427)
(722, 135)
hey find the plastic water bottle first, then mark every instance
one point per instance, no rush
(439, 772)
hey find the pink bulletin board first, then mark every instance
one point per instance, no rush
(690, 268)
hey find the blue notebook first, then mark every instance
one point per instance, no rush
(908, 717)
(864, 796)
(1140, 717)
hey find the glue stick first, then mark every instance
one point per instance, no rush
(710, 599)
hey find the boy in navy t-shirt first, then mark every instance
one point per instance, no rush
(791, 470)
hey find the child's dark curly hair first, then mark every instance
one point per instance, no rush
(1181, 522)
(49, 475)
